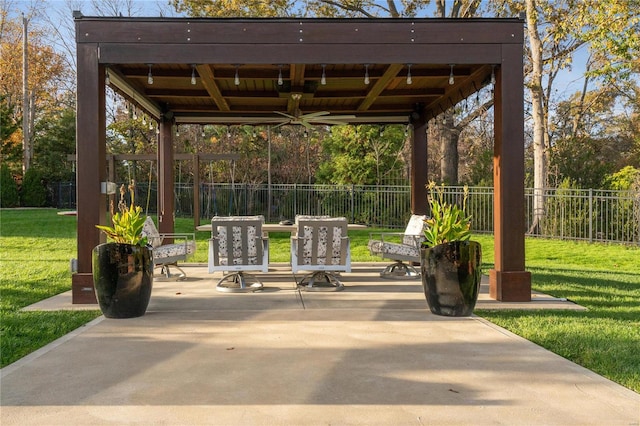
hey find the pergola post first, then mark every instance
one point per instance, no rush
(91, 170)
(509, 281)
(166, 204)
(419, 165)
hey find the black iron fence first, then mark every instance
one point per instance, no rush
(591, 215)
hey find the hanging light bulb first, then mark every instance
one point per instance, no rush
(193, 75)
(280, 80)
(228, 131)
(177, 130)
(382, 131)
(135, 113)
(493, 75)
(323, 79)
(409, 79)
(254, 134)
(305, 134)
(107, 79)
(157, 129)
(144, 120)
(150, 76)
(236, 79)
(452, 80)
(366, 73)
(202, 133)
(406, 131)
(126, 108)
(151, 125)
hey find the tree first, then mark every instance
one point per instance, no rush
(361, 155)
(8, 188)
(46, 67)
(10, 151)
(54, 142)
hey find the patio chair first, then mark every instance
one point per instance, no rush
(321, 245)
(237, 245)
(400, 247)
(166, 256)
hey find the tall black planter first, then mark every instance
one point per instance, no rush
(451, 277)
(123, 278)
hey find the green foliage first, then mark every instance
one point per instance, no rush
(362, 155)
(447, 222)
(626, 178)
(127, 222)
(34, 191)
(54, 141)
(8, 188)
(10, 148)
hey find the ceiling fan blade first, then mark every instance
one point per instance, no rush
(314, 114)
(341, 117)
(330, 122)
(306, 124)
(284, 114)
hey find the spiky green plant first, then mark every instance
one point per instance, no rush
(448, 222)
(126, 223)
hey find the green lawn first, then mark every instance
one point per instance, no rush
(603, 278)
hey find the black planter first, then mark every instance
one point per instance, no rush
(123, 278)
(451, 277)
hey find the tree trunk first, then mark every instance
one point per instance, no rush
(449, 150)
(537, 111)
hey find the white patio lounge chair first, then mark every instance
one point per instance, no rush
(237, 245)
(321, 245)
(166, 256)
(400, 247)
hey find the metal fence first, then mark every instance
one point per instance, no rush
(573, 214)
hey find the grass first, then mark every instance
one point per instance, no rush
(603, 278)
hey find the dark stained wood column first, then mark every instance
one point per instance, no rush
(91, 169)
(196, 190)
(166, 178)
(509, 281)
(419, 165)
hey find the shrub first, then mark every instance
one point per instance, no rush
(34, 192)
(8, 188)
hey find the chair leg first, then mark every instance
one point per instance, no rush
(166, 275)
(320, 281)
(400, 271)
(237, 283)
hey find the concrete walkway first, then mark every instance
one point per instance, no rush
(370, 355)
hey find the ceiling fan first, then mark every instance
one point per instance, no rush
(308, 120)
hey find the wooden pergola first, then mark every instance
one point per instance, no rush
(276, 71)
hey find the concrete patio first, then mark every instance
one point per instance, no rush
(372, 355)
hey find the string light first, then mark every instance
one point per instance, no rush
(452, 80)
(177, 131)
(193, 75)
(323, 79)
(280, 80)
(236, 79)
(150, 76)
(366, 73)
(409, 79)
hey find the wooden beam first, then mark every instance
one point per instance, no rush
(508, 280)
(92, 168)
(390, 73)
(208, 80)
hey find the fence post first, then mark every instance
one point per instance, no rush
(353, 204)
(590, 215)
